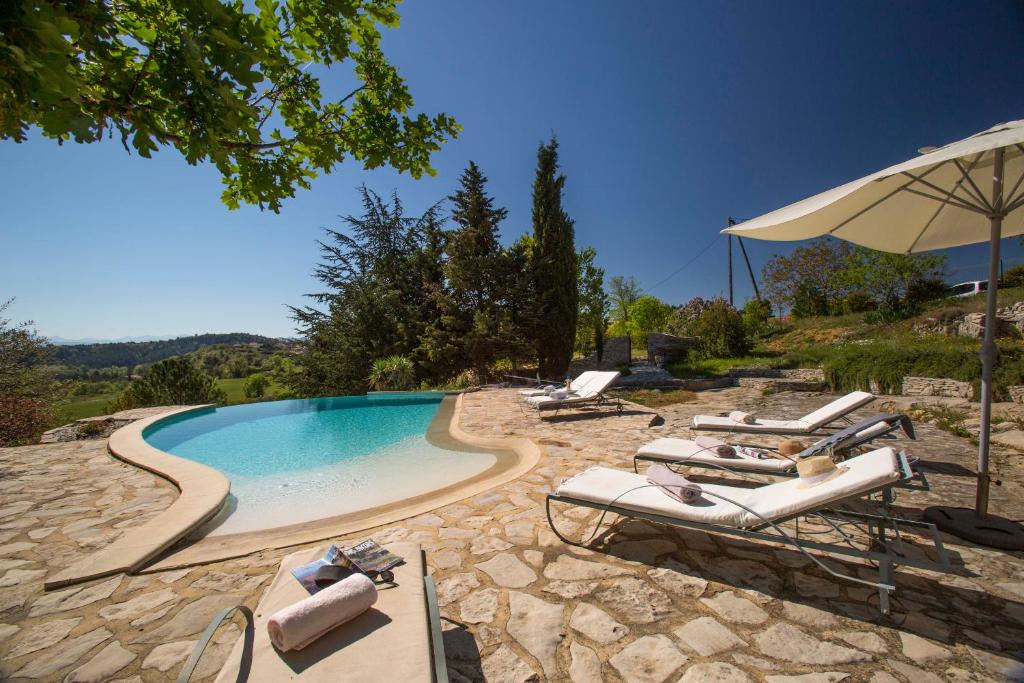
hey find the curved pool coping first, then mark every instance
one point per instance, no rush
(204, 490)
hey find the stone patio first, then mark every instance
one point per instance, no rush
(645, 603)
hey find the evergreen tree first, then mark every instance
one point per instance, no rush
(554, 266)
(593, 313)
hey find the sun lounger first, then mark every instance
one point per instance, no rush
(758, 512)
(398, 639)
(684, 452)
(572, 385)
(590, 393)
(808, 424)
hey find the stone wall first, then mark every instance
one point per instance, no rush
(933, 386)
(801, 374)
(666, 348)
(1010, 323)
(617, 351)
(1016, 393)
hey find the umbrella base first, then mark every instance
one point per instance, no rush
(991, 531)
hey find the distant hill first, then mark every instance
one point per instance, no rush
(62, 341)
(135, 353)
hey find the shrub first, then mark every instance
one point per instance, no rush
(809, 301)
(174, 381)
(255, 386)
(22, 419)
(858, 301)
(1014, 277)
(394, 373)
(756, 315)
(720, 332)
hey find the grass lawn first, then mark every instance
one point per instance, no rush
(653, 398)
(86, 406)
(233, 388)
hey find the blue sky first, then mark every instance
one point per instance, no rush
(672, 116)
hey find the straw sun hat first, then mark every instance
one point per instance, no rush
(817, 470)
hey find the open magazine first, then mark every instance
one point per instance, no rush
(365, 557)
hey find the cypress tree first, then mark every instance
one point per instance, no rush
(554, 266)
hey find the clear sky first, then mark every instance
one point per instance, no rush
(672, 116)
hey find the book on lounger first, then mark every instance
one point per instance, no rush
(306, 574)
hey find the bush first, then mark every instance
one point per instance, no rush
(255, 386)
(1014, 277)
(756, 316)
(720, 332)
(809, 301)
(858, 302)
(174, 381)
(22, 419)
(394, 373)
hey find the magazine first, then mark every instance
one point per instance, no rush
(366, 557)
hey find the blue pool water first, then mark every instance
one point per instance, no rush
(295, 461)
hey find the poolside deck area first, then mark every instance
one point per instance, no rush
(643, 603)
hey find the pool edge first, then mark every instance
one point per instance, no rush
(201, 493)
(217, 548)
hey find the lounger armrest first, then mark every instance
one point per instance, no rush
(204, 640)
(436, 637)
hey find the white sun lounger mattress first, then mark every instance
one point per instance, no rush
(606, 486)
(808, 423)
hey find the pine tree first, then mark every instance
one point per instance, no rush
(554, 266)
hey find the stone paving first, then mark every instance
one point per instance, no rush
(643, 603)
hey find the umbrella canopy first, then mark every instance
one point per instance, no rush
(966, 192)
(937, 200)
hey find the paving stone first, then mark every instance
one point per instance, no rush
(137, 607)
(706, 636)
(172, 576)
(883, 677)
(8, 630)
(13, 577)
(913, 673)
(571, 590)
(73, 598)
(505, 666)
(67, 654)
(785, 641)
(42, 636)
(456, 532)
(15, 548)
(537, 626)
(446, 559)
(596, 624)
(982, 639)
(714, 672)
(633, 601)
(150, 617)
(922, 651)
(865, 640)
(568, 568)
(823, 677)
(748, 573)
(758, 663)
(650, 659)
(678, 579)
(105, 664)
(456, 587)
(733, 608)
(584, 667)
(222, 582)
(488, 544)
(429, 520)
(924, 625)
(479, 607)
(645, 552)
(1010, 668)
(534, 557)
(40, 534)
(191, 619)
(808, 615)
(811, 586)
(8, 563)
(508, 571)
(958, 675)
(169, 655)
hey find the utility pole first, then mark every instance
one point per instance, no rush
(730, 264)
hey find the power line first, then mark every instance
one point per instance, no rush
(683, 267)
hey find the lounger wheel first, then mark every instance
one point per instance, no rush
(618, 408)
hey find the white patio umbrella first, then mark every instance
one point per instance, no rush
(966, 192)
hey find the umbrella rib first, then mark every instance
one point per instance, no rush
(960, 201)
(1010, 196)
(876, 203)
(967, 174)
(964, 174)
(949, 199)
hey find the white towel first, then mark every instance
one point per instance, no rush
(716, 446)
(298, 625)
(559, 395)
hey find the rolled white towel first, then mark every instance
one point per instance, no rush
(559, 395)
(716, 446)
(742, 417)
(298, 625)
(673, 484)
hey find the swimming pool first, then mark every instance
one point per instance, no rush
(302, 460)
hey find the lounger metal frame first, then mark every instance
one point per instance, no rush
(597, 401)
(882, 547)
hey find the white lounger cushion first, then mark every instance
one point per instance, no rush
(808, 423)
(683, 450)
(606, 486)
(597, 383)
(575, 384)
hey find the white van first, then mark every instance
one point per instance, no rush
(965, 289)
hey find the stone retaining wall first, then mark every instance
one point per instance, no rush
(933, 386)
(778, 384)
(1016, 394)
(666, 348)
(802, 374)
